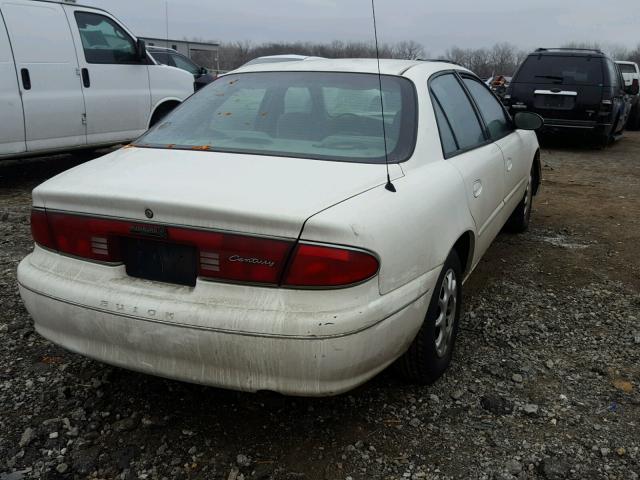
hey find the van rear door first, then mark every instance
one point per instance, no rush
(114, 81)
(11, 117)
(48, 75)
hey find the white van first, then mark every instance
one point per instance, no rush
(631, 73)
(75, 77)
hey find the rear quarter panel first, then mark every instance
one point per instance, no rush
(412, 230)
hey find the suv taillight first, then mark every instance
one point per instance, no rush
(221, 256)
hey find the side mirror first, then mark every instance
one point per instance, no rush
(634, 88)
(203, 71)
(141, 50)
(528, 121)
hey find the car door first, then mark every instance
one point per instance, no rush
(12, 139)
(500, 128)
(114, 81)
(466, 146)
(47, 69)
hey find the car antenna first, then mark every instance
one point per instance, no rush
(389, 186)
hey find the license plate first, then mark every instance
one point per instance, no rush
(560, 102)
(160, 261)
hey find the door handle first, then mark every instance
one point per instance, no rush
(86, 81)
(26, 79)
(477, 188)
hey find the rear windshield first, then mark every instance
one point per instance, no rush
(561, 70)
(626, 68)
(316, 115)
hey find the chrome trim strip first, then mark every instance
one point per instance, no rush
(568, 93)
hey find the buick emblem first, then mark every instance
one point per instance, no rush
(148, 213)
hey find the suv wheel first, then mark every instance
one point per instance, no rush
(430, 353)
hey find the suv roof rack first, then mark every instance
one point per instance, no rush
(570, 49)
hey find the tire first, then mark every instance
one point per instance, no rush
(519, 220)
(430, 353)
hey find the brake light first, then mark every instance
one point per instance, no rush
(40, 229)
(220, 255)
(324, 266)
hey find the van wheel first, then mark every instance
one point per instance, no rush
(519, 220)
(161, 112)
(430, 353)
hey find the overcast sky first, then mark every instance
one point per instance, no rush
(438, 25)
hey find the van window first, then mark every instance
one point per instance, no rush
(104, 41)
(458, 110)
(561, 70)
(626, 68)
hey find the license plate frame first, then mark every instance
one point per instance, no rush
(160, 261)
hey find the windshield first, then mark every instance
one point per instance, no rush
(316, 115)
(561, 70)
(184, 63)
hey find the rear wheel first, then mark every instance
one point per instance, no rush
(519, 220)
(430, 353)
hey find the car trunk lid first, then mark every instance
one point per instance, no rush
(253, 194)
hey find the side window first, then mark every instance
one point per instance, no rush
(458, 110)
(491, 110)
(104, 41)
(449, 144)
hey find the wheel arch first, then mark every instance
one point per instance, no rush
(537, 172)
(166, 105)
(464, 247)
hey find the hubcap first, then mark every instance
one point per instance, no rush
(446, 315)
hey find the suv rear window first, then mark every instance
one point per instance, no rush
(561, 70)
(314, 115)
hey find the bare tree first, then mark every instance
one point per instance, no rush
(409, 50)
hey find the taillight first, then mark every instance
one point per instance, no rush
(40, 229)
(220, 255)
(324, 266)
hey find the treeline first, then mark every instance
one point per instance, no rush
(501, 59)
(234, 54)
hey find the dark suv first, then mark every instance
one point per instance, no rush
(572, 89)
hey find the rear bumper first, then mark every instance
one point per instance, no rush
(284, 341)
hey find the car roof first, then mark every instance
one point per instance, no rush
(352, 65)
(625, 62)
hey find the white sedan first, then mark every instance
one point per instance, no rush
(252, 240)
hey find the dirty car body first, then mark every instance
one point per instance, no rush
(248, 241)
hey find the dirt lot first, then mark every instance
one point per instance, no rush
(545, 381)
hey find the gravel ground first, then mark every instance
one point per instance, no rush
(544, 384)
